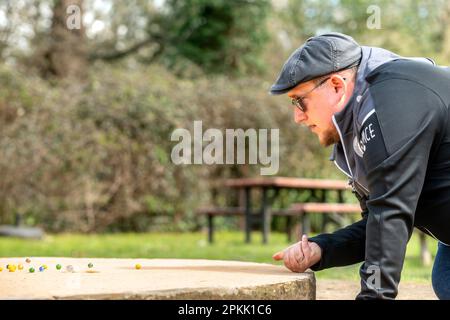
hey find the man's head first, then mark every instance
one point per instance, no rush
(319, 77)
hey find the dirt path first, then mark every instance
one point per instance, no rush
(347, 290)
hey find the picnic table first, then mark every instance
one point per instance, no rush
(270, 188)
(267, 184)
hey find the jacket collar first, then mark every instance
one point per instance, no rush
(372, 57)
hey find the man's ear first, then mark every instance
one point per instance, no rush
(338, 83)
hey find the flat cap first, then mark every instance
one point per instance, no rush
(318, 56)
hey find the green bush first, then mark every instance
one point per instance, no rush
(96, 156)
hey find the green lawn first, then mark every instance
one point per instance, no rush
(228, 246)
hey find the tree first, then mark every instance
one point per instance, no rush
(218, 35)
(410, 28)
(221, 36)
(445, 32)
(66, 54)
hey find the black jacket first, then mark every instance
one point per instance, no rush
(395, 149)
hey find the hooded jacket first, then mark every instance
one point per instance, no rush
(395, 149)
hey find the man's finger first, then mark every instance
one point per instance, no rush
(289, 260)
(305, 247)
(278, 256)
(298, 254)
(296, 263)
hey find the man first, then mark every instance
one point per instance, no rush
(388, 119)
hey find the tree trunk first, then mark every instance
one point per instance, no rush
(446, 32)
(425, 255)
(66, 55)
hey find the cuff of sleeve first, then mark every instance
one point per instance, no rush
(324, 245)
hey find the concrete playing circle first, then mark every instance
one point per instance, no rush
(156, 279)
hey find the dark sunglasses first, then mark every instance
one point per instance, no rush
(298, 102)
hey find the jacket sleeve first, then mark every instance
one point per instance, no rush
(398, 139)
(343, 247)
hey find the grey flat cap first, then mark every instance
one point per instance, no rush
(318, 56)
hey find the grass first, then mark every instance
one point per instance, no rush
(228, 246)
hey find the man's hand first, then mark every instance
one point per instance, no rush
(300, 256)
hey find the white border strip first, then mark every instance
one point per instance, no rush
(367, 116)
(343, 145)
(448, 245)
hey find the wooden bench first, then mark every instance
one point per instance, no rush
(299, 209)
(325, 207)
(212, 212)
(303, 210)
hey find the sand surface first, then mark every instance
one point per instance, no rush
(347, 290)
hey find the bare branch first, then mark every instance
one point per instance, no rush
(123, 53)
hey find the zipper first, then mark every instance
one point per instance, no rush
(343, 146)
(345, 172)
(361, 186)
(350, 178)
(350, 175)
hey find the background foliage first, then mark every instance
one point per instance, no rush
(86, 116)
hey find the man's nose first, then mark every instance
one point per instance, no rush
(299, 116)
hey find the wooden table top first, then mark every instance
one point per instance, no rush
(288, 182)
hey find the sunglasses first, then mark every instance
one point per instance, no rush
(298, 102)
